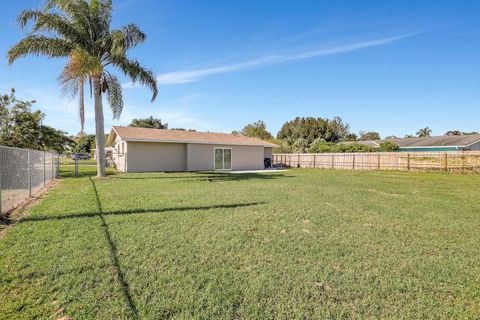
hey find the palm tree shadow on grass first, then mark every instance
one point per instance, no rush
(67, 173)
(138, 211)
(125, 288)
(207, 176)
(114, 256)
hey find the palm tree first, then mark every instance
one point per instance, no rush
(424, 132)
(79, 30)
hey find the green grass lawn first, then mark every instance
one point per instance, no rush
(299, 244)
(70, 161)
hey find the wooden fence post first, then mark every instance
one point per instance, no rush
(314, 160)
(445, 162)
(298, 161)
(353, 162)
(378, 161)
(333, 161)
(408, 161)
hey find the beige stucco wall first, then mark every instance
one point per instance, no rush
(201, 157)
(119, 154)
(268, 153)
(155, 156)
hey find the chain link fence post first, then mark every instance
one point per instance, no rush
(58, 165)
(76, 166)
(44, 170)
(29, 166)
(53, 165)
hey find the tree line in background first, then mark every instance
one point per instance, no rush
(23, 128)
(317, 135)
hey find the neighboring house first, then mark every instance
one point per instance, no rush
(144, 150)
(441, 143)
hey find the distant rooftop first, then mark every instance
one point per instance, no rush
(439, 141)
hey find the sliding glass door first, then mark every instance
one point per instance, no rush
(223, 159)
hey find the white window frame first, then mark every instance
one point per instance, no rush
(223, 158)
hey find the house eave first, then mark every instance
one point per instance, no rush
(199, 142)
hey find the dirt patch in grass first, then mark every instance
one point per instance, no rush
(12, 217)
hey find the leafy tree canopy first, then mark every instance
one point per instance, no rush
(329, 147)
(255, 130)
(370, 135)
(458, 133)
(22, 128)
(149, 122)
(310, 129)
(85, 144)
(350, 137)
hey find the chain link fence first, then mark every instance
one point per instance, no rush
(24, 173)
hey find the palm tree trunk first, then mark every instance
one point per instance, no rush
(99, 128)
(81, 108)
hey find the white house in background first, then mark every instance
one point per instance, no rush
(146, 150)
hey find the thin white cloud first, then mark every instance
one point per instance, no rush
(176, 112)
(187, 76)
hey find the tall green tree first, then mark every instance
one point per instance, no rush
(150, 122)
(311, 129)
(256, 130)
(424, 132)
(85, 144)
(22, 128)
(80, 30)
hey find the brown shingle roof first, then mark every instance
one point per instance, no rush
(179, 136)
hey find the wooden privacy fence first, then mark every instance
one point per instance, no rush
(455, 161)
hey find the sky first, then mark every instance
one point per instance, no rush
(387, 66)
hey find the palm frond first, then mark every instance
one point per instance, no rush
(113, 88)
(53, 22)
(133, 35)
(137, 73)
(77, 11)
(70, 85)
(105, 14)
(40, 45)
(120, 40)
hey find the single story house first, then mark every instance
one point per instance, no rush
(440, 143)
(146, 150)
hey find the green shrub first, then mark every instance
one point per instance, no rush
(330, 147)
(389, 146)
